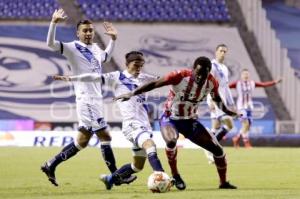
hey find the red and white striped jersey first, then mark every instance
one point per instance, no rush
(185, 94)
(245, 90)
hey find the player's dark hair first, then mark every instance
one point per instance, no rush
(134, 56)
(85, 21)
(245, 69)
(221, 45)
(204, 62)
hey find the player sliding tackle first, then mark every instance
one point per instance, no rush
(136, 126)
(189, 88)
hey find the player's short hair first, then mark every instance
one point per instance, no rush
(221, 45)
(85, 21)
(203, 61)
(134, 56)
(245, 69)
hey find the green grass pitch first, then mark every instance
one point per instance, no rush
(259, 173)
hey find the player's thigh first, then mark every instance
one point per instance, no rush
(215, 123)
(245, 124)
(227, 120)
(168, 131)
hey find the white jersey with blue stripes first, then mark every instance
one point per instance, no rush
(135, 110)
(221, 74)
(85, 59)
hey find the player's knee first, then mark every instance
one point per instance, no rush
(82, 143)
(148, 143)
(104, 136)
(171, 143)
(218, 151)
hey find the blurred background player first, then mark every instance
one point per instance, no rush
(221, 123)
(245, 87)
(136, 125)
(84, 56)
(189, 88)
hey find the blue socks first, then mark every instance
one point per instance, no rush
(67, 152)
(108, 156)
(154, 162)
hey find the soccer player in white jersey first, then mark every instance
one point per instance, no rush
(245, 87)
(221, 123)
(189, 88)
(136, 126)
(84, 56)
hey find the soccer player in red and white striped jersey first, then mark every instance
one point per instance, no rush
(189, 88)
(245, 87)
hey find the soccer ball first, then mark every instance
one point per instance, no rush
(159, 182)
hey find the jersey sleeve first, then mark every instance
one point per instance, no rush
(213, 70)
(110, 78)
(233, 84)
(175, 77)
(265, 84)
(214, 91)
(66, 48)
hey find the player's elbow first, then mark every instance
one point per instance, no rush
(50, 44)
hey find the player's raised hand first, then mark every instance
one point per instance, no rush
(62, 78)
(123, 97)
(58, 16)
(110, 30)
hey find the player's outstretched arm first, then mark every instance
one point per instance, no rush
(80, 78)
(112, 32)
(222, 106)
(61, 78)
(58, 16)
(145, 88)
(267, 84)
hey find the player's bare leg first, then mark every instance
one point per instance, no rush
(106, 150)
(203, 138)
(170, 136)
(68, 151)
(125, 172)
(245, 133)
(149, 150)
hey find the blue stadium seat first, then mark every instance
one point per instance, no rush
(29, 9)
(158, 10)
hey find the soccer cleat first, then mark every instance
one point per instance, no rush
(178, 182)
(50, 174)
(227, 185)
(106, 180)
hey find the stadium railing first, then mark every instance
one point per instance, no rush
(275, 56)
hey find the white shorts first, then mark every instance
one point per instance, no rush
(90, 114)
(137, 135)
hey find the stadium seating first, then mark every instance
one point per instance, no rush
(156, 10)
(284, 19)
(29, 9)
